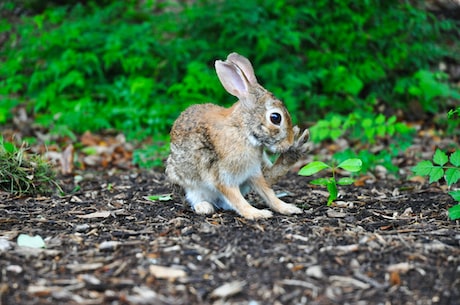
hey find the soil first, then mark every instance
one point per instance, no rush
(387, 241)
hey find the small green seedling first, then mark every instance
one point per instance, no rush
(438, 168)
(351, 165)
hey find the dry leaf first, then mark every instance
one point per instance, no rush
(395, 279)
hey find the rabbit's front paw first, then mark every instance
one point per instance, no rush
(301, 142)
(204, 208)
(299, 148)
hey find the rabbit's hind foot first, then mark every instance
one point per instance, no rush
(204, 208)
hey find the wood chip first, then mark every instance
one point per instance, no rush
(336, 214)
(162, 272)
(228, 289)
(100, 214)
(340, 250)
(400, 268)
(84, 267)
(345, 281)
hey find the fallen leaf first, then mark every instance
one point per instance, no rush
(395, 279)
(100, 214)
(363, 180)
(25, 240)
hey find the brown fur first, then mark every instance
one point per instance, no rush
(215, 151)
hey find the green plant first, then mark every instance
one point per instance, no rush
(454, 113)
(443, 166)
(350, 165)
(429, 88)
(367, 129)
(24, 174)
(453, 121)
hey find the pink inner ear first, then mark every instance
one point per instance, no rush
(232, 79)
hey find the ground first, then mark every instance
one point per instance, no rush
(386, 241)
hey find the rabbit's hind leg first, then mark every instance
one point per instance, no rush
(201, 200)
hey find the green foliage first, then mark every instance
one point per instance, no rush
(453, 122)
(350, 165)
(454, 212)
(126, 64)
(24, 174)
(454, 114)
(442, 166)
(428, 88)
(439, 167)
(365, 128)
(135, 65)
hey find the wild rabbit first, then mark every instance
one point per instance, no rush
(217, 153)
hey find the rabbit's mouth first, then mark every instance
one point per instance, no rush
(273, 145)
(255, 140)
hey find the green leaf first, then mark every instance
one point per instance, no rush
(345, 181)
(164, 197)
(312, 168)
(351, 165)
(452, 175)
(25, 240)
(454, 212)
(333, 192)
(455, 158)
(380, 119)
(436, 173)
(440, 157)
(320, 181)
(455, 195)
(9, 147)
(423, 168)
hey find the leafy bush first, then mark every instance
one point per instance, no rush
(134, 65)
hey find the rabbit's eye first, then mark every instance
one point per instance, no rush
(275, 118)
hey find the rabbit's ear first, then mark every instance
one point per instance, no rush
(232, 78)
(245, 65)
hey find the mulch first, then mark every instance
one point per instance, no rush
(387, 241)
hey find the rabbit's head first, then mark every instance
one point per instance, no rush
(265, 119)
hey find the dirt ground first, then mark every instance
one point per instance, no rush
(385, 242)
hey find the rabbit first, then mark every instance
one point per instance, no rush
(217, 154)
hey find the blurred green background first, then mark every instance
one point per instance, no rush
(355, 67)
